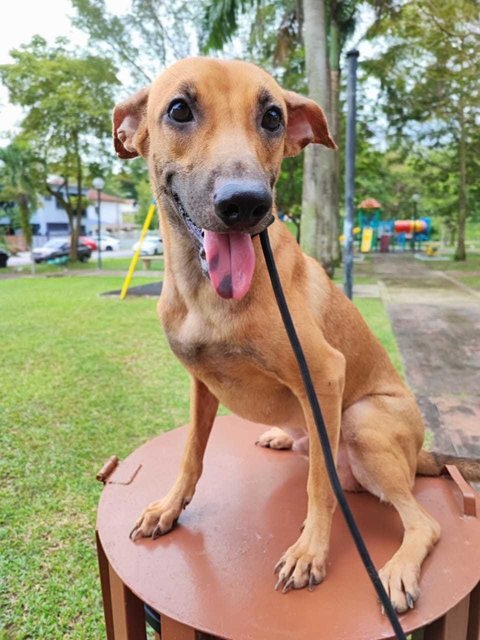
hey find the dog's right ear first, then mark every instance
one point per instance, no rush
(130, 132)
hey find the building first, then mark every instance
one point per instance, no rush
(116, 214)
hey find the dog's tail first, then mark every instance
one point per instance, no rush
(433, 464)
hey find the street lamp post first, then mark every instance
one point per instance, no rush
(352, 61)
(415, 199)
(98, 184)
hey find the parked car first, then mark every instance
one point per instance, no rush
(60, 248)
(109, 243)
(4, 256)
(89, 242)
(151, 246)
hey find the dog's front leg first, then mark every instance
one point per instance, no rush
(304, 563)
(160, 516)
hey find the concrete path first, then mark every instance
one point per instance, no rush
(437, 324)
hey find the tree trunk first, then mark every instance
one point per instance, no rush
(24, 208)
(460, 253)
(74, 235)
(77, 210)
(318, 208)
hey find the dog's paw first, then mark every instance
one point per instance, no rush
(275, 438)
(400, 580)
(302, 565)
(158, 518)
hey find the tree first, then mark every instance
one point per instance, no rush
(19, 183)
(68, 102)
(430, 86)
(149, 35)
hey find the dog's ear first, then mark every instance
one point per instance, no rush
(130, 125)
(306, 123)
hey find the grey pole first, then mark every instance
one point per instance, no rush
(99, 250)
(352, 59)
(98, 184)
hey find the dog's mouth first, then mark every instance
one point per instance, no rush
(227, 258)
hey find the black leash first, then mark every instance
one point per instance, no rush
(322, 432)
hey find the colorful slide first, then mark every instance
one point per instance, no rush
(367, 237)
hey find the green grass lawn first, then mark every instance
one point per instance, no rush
(82, 377)
(108, 264)
(472, 263)
(376, 316)
(472, 281)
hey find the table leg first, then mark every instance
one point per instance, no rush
(474, 615)
(127, 610)
(452, 626)
(103, 566)
(173, 630)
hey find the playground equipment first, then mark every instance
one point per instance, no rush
(213, 572)
(377, 234)
(367, 238)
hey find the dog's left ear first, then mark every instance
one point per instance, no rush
(306, 123)
(130, 133)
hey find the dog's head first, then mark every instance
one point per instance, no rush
(214, 134)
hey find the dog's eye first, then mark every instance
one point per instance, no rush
(272, 119)
(180, 111)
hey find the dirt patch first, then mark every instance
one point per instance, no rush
(153, 289)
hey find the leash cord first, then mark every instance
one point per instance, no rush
(322, 432)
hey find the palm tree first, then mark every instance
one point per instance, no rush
(18, 184)
(327, 24)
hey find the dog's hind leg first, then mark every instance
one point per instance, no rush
(383, 436)
(160, 516)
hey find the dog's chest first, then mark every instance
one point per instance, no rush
(206, 353)
(200, 343)
(236, 371)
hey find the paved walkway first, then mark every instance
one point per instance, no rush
(437, 323)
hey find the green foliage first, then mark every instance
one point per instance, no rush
(289, 190)
(144, 201)
(67, 101)
(20, 172)
(124, 182)
(220, 21)
(431, 91)
(146, 37)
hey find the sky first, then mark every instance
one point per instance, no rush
(22, 20)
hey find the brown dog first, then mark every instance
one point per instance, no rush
(214, 134)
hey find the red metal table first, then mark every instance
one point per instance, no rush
(214, 571)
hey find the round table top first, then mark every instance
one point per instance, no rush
(214, 571)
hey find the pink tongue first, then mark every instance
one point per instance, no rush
(231, 262)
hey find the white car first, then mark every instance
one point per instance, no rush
(108, 243)
(151, 246)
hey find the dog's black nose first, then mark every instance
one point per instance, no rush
(242, 204)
